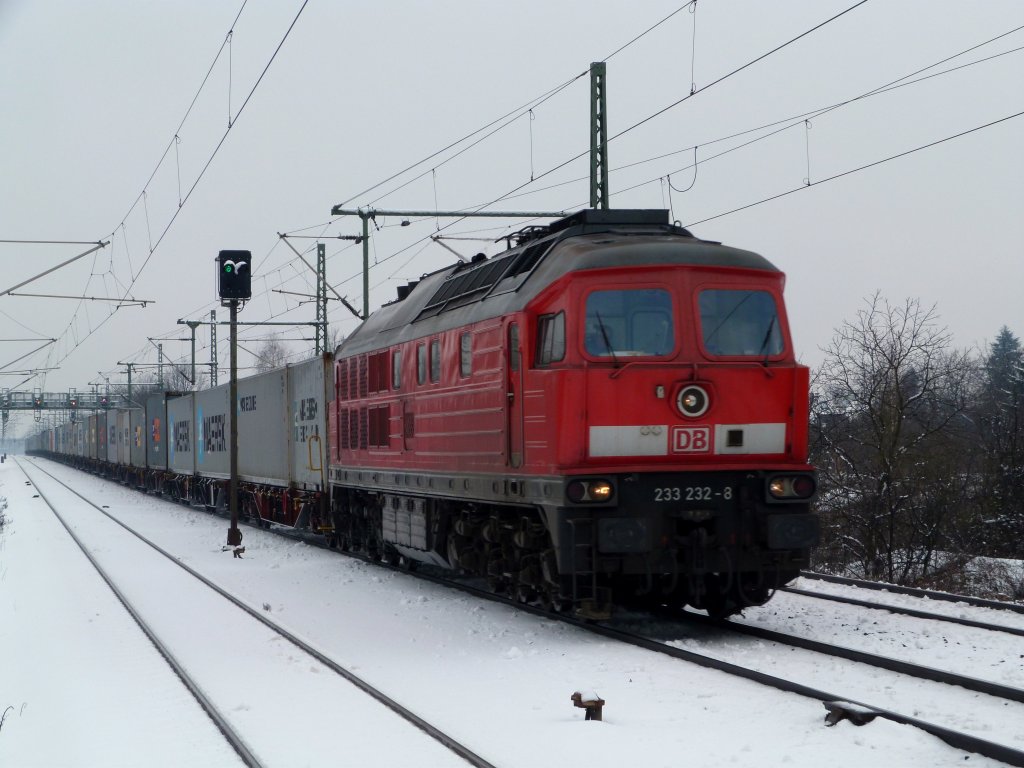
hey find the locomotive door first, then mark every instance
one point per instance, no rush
(514, 390)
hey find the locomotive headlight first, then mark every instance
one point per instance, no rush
(792, 487)
(589, 491)
(692, 401)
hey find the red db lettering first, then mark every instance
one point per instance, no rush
(691, 439)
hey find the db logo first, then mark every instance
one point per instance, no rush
(691, 439)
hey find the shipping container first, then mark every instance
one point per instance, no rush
(212, 426)
(90, 436)
(181, 438)
(123, 430)
(262, 428)
(78, 438)
(101, 436)
(112, 436)
(309, 386)
(157, 432)
(137, 437)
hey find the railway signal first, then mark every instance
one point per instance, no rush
(234, 275)
(234, 283)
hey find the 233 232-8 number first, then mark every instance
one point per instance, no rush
(692, 493)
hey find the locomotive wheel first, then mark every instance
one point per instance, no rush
(717, 602)
(498, 585)
(524, 593)
(553, 601)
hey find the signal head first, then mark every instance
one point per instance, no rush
(234, 280)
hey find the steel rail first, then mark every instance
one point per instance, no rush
(229, 733)
(948, 597)
(864, 657)
(904, 611)
(406, 714)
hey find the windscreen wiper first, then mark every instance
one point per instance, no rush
(607, 341)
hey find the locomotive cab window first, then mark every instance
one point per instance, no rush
(629, 323)
(740, 323)
(550, 339)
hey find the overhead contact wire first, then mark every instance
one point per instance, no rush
(860, 168)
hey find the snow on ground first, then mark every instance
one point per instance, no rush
(497, 679)
(81, 678)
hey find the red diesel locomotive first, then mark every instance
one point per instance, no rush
(609, 412)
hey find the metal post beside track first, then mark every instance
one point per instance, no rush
(234, 534)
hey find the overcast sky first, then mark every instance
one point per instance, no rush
(93, 94)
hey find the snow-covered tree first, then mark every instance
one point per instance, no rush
(1000, 420)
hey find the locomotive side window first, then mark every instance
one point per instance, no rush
(466, 354)
(435, 360)
(513, 346)
(629, 323)
(396, 369)
(737, 322)
(378, 375)
(421, 363)
(550, 339)
(341, 381)
(364, 377)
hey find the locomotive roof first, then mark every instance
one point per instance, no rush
(507, 282)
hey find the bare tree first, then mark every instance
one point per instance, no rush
(889, 407)
(271, 354)
(334, 338)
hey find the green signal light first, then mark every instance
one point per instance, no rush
(228, 268)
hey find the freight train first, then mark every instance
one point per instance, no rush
(609, 412)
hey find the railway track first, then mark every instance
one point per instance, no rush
(915, 592)
(952, 736)
(243, 745)
(904, 611)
